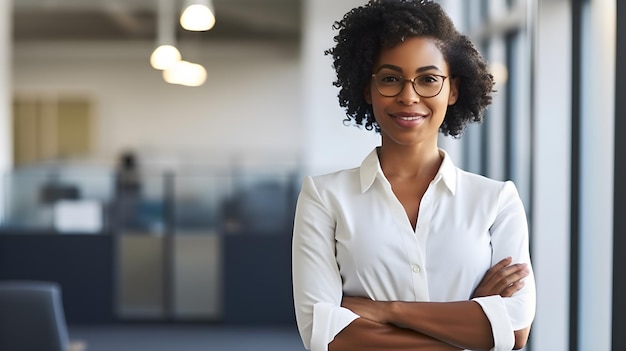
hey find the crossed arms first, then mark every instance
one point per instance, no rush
(430, 325)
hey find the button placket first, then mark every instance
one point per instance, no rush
(422, 225)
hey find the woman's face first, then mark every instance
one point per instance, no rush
(407, 118)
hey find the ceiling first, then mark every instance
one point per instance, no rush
(136, 20)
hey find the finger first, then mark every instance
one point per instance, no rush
(513, 272)
(502, 263)
(520, 271)
(512, 289)
(497, 267)
(516, 276)
(499, 271)
(511, 275)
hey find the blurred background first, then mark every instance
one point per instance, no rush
(161, 197)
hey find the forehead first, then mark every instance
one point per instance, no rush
(411, 54)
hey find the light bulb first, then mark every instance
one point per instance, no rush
(185, 73)
(197, 17)
(164, 57)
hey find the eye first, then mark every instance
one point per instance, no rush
(389, 78)
(428, 79)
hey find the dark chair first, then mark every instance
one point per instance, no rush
(32, 317)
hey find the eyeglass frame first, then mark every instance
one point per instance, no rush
(412, 84)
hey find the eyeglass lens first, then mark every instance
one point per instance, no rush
(391, 84)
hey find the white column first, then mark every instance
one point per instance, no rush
(551, 197)
(329, 145)
(596, 177)
(6, 94)
(495, 119)
(454, 147)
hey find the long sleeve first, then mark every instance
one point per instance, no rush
(509, 237)
(317, 283)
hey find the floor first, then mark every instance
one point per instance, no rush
(184, 338)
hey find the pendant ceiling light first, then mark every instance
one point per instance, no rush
(185, 73)
(166, 54)
(198, 15)
(164, 57)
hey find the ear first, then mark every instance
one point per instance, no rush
(367, 93)
(454, 91)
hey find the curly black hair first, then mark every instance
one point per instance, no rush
(381, 24)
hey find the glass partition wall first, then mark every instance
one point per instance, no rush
(169, 228)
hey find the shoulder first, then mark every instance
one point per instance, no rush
(472, 179)
(335, 181)
(483, 196)
(343, 184)
(479, 186)
(328, 191)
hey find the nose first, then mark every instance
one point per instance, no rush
(408, 95)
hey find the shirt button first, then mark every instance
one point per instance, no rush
(416, 269)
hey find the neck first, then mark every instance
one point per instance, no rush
(410, 161)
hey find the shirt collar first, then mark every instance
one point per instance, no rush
(447, 172)
(370, 169)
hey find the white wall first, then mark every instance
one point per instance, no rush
(329, 144)
(250, 105)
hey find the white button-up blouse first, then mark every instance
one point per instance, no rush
(352, 237)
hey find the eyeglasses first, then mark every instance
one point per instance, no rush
(390, 84)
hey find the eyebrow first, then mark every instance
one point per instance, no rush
(419, 70)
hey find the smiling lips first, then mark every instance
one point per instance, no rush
(408, 119)
(408, 115)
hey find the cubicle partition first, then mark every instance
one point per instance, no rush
(81, 264)
(184, 247)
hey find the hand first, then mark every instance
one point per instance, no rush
(366, 308)
(502, 279)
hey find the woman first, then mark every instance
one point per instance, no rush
(407, 251)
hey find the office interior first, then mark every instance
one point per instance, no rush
(168, 205)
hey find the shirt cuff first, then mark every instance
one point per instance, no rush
(501, 328)
(328, 321)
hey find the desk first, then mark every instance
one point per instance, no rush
(254, 284)
(81, 264)
(257, 279)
